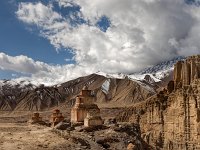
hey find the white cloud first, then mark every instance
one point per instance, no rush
(40, 72)
(67, 59)
(37, 13)
(143, 32)
(21, 64)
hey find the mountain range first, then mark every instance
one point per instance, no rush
(111, 89)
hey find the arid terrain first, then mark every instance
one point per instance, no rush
(102, 113)
(16, 133)
(100, 75)
(21, 136)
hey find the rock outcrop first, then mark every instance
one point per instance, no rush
(185, 72)
(170, 120)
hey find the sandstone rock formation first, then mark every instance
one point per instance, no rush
(85, 110)
(185, 72)
(171, 120)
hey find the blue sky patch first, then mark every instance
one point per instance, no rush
(103, 23)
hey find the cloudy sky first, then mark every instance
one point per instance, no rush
(52, 41)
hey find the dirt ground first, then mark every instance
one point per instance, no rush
(17, 134)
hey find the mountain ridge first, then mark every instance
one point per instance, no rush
(115, 89)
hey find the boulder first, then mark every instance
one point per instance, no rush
(131, 146)
(62, 125)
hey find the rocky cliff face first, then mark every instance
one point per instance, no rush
(171, 119)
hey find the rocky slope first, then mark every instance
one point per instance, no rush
(11, 92)
(116, 92)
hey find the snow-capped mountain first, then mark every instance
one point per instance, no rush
(11, 88)
(14, 82)
(17, 94)
(151, 75)
(11, 92)
(166, 65)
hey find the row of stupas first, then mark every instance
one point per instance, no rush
(84, 111)
(55, 118)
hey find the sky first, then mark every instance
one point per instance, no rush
(53, 41)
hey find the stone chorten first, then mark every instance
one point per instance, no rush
(56, 117)
(85, 110)
(35, 118)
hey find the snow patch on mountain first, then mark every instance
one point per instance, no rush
(15, 82)
(142, 77)
(107, 75)
(106, 86)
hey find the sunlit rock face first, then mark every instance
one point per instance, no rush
(185, 72)
(171, 118)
